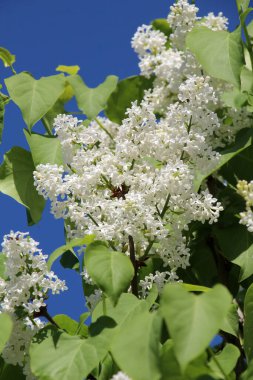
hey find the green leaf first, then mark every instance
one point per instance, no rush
(243, 140)
(10, 372)
(82, 319)
(68, 247)
(7, 58)
(248, 374)
(236, 244)
(56, 355)
(245, 261)
(58, 108)
(34, 97)
(231, 323)
(71, 70)
(196, 370)
(111, 271)
(152, 296)
(200, 318)
(70, 260)
(242, 5)
(6, 329)
(44, 149)
(127, 91)
(70, 326)
(135, 347)
(235, 99)
(92, 100)
(195, 288)
(248, 323)
(16, 181)
(126, 305)
(2, 266)
(162, 25)
(250, 28)
(219, 52)
(108, 368)
(246, 80)
(227, 360)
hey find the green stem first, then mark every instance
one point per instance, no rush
(211, 353)
(103, 127)
(104, 305)
(47, 126)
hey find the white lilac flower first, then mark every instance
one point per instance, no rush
(28, 277)
(137, 178)
(23, 294)
(93, 299)
(245, 189)
(148, 40)
(181, 18)
(120, 376)
(159, 279)
(215, 23)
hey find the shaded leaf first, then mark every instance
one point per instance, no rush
(70, 260)
(16, 181)
(243, 140)
(248, 324)
(64, 248)
(162, 25)
(127, 91)
(7, 58)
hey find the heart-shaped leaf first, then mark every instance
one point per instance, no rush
(219, 52)
(193, 320)
(16, 181)
(112, 271)
(92, 100)
(34, 97)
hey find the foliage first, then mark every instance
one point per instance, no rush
(151, 319)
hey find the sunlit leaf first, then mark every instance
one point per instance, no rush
(34, 97)
(219, 52)
(7, 58)
(71, 70)
(111, 271)
(200, 318)
(6, 329)
(92, 100)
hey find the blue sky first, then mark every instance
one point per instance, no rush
(95, 35)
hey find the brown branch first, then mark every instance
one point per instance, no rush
(134, 282)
